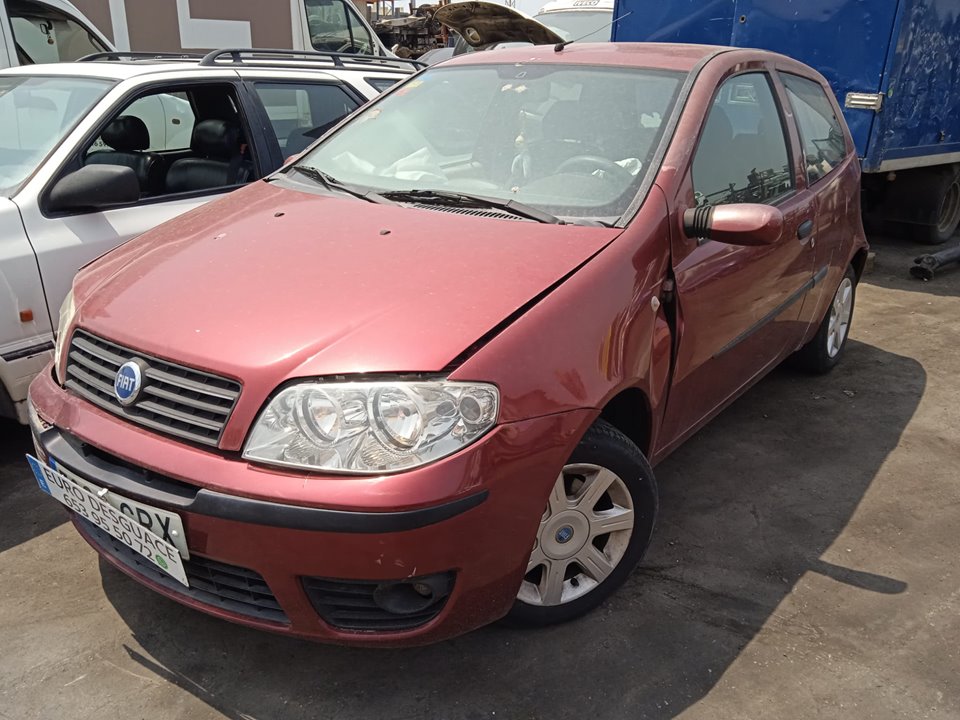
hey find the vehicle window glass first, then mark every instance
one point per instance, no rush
(168, 117)
(45, 35)
(530, 134)
(36, 113)
(301, 113)
(742, 152)
(334, 27)
(177, 141)
(824, 146)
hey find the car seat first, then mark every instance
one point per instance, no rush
(220, 159)
(128, 138)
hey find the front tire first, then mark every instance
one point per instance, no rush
(823, 352)
(595, 529)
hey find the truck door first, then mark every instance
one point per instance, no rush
(43, 34)
(739, 306)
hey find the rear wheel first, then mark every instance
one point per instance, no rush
(947, 199)
(823, 352)
(594, 530)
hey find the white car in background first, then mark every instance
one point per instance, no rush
(93, 153)
(46, 31)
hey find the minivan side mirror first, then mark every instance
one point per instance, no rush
(94, 186)
(738, 224)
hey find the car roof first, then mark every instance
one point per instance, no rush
(666, 56)
(141, 64)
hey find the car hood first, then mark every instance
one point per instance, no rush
(271, 283)
(483, 24)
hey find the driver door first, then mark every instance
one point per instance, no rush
(739, 306)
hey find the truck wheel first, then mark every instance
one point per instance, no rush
(823, 352)
(594, 530)
(947, 199)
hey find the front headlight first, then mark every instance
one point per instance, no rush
(67, 311)
(371, 427)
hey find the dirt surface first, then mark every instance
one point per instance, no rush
(806, 564)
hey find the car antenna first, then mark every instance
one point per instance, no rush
(561, 45)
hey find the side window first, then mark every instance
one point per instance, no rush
(169, 120)
(824, 146)
(300, 113)
(334, 27)
(46, 35)
(177, 141)
(742, 153)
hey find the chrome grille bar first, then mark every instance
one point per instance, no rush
(176, 400)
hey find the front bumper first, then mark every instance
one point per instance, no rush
(471, 518)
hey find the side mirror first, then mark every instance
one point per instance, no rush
(95, 186)
(740, 224)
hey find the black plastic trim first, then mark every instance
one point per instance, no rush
(155, 489)
(27, 351)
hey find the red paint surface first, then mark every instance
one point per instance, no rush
(235, 290)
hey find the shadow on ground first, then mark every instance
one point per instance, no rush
(23, 513)
(748, 507)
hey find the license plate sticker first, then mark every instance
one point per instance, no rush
(163, 555)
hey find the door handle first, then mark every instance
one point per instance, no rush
(805, 230)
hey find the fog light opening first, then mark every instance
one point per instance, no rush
(408, 597)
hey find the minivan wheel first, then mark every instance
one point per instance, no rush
(594, 530)
(823, 352)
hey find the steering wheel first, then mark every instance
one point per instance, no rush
(349, 47)
(587, 164)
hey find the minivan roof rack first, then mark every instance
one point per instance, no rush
(127, 55)
(307, 58)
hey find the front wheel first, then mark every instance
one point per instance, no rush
(594, 530)
(823, 352)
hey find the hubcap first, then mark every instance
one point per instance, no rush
(583, 535)
(839, 321)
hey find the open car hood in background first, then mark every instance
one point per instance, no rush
(483, 24)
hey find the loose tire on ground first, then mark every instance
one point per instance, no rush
(595, 529)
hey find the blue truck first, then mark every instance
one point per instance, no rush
(893, 64)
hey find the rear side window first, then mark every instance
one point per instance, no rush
(824, 146)
(742, 153)
(301, 113)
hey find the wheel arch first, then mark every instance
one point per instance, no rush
(859, 262)
(629, 412)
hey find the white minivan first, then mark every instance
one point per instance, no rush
(45, 31)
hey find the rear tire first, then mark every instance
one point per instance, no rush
(947, 201)
(595, 529)
(823, 352)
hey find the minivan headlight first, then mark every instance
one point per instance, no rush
(370, 427)
(67, 310)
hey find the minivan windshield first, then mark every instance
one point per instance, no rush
(36, 113)
(574, 141)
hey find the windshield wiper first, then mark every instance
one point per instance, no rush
(331, 183)
(444, 197)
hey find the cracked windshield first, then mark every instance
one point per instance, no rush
(572, 141)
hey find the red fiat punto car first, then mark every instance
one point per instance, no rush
(416, 381)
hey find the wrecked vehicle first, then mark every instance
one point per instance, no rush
(417, 380)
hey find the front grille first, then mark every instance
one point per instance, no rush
(174, 399)
(213, 583)
(349, 605)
